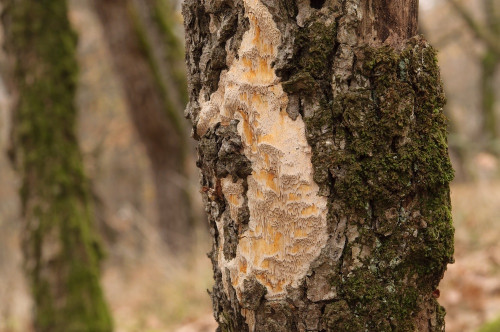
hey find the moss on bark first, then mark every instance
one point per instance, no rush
(389, 174)
(381, 151)
(62, 252)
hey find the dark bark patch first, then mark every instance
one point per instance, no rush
(388, 22)
(230, 239)
(227, 310)
(220, 153)
(253, 294)
(206, 52)
(231, 161)
(276, 316)
(317, 4)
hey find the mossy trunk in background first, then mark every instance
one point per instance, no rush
(324, 160)
(62, 252)
(147, 54)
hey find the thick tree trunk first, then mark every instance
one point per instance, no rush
(324, 163)
(61, 251)
(145, 59)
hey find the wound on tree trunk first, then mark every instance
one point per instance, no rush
(62, 253)
(325, 169)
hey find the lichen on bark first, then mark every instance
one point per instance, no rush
(62, 252)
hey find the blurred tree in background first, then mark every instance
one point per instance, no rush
(61, 249)
(149, 59)
(467, 36)
(487, 30)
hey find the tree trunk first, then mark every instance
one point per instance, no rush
(489, 65)
(325, 170)
(144, 52)
(61, 250)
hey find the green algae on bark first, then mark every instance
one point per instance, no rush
(62, 251)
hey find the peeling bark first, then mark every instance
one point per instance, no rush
(336, 109)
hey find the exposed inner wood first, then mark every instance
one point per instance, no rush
(287, 227)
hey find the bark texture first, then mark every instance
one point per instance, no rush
(325, 169)
(147, 58)
(62, 253)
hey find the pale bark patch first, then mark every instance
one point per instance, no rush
(287, 227)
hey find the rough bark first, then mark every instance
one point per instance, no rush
(145, 54)
(61, 250)
(325, 169)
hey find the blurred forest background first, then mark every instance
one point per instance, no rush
(141, 165)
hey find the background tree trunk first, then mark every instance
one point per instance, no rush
(148, 59)
(488, 32)
(61, 250)
(489, 66)
(325, 169)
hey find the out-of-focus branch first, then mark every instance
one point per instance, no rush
(479, 30)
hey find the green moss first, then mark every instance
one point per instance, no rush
(379, 152)
(316, 43)
(339, 317)
(308, 76)
(61, 249)
(490, 63)
(380, 304)
(313, 53)
(391, 174)
(382, 150)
